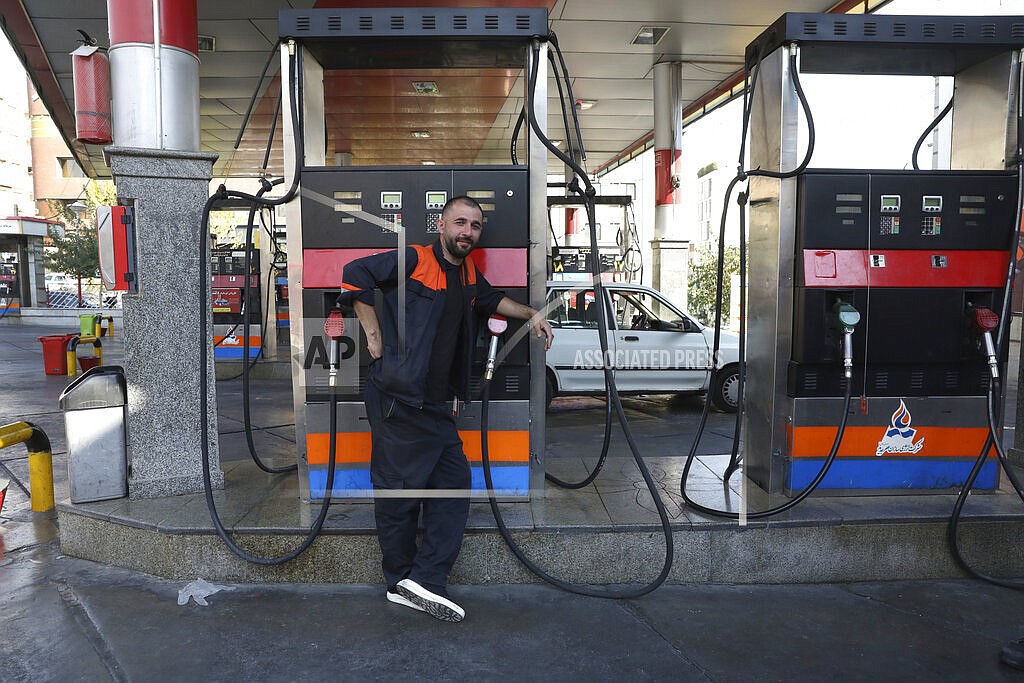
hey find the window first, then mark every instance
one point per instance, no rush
(572, 308)
(67, 167)
(640, 311)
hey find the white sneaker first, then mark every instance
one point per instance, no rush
(435, 603)
(399, 599)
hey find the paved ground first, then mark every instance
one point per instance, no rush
(67, 619)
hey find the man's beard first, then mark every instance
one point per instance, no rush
(455, 249)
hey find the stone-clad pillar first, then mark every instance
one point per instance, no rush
(161, 321)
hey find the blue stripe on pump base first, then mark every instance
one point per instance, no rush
(511, 480)
(890, 473)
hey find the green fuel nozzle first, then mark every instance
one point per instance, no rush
(847, 318)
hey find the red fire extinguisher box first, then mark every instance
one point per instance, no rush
(91, 75)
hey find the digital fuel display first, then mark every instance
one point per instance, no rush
(391, 200)
(890, 203)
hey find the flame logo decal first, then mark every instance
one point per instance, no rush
(899, 437)
(899, 424)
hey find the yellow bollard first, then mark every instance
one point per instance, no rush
(40, 461)
(40, 480)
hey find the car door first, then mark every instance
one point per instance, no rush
(657, 347)
(575, 355)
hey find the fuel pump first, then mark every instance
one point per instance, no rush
(906, 234)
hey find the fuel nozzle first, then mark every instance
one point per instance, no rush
(496, 325)
(334, 327)
(983, 321)
(847, 318)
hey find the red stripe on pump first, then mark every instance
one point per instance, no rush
(904, 268)
(503, 267)
(322, 268)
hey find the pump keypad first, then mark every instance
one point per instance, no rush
(888, 225)
(931, 225)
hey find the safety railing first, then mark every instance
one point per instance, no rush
(40, 461)
(73, 358)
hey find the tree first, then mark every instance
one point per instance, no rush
(703, 276)
(77, 249)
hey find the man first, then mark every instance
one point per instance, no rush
(416, 369)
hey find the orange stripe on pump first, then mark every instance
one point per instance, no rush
(351, 447)
(504, 446)
(939, 442)
(354, 447)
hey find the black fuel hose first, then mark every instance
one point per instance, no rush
(992, 396)
(929, 129)
(719, 292)
(204, 429)
(605, 444)
(265, 187)
(603, 322)
(954, 520)
(222, 193)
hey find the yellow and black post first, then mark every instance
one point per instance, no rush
(40, 460)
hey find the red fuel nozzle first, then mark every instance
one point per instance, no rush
(334, 326)
(984, 320)
(497, 324)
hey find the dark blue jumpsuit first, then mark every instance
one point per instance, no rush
(415, 445)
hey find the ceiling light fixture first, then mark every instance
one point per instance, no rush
(649, 35)
(420, 134)
(428, 162)
(425, 87)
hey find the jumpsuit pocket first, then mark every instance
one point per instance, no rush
(389, 408)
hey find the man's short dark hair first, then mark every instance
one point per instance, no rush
(463, 199)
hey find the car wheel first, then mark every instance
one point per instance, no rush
(725, 392)
(549, 391)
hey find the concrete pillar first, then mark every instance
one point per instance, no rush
(161, 321)
(668, 274)
(670, 264)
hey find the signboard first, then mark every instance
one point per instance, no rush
(226, 300)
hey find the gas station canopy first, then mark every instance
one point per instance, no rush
(416, 115)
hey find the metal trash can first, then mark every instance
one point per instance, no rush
(95, 407)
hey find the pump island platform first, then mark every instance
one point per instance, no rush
(607, 532)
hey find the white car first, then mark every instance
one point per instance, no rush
(654, 347)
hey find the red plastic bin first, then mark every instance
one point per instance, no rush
(55, 357)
